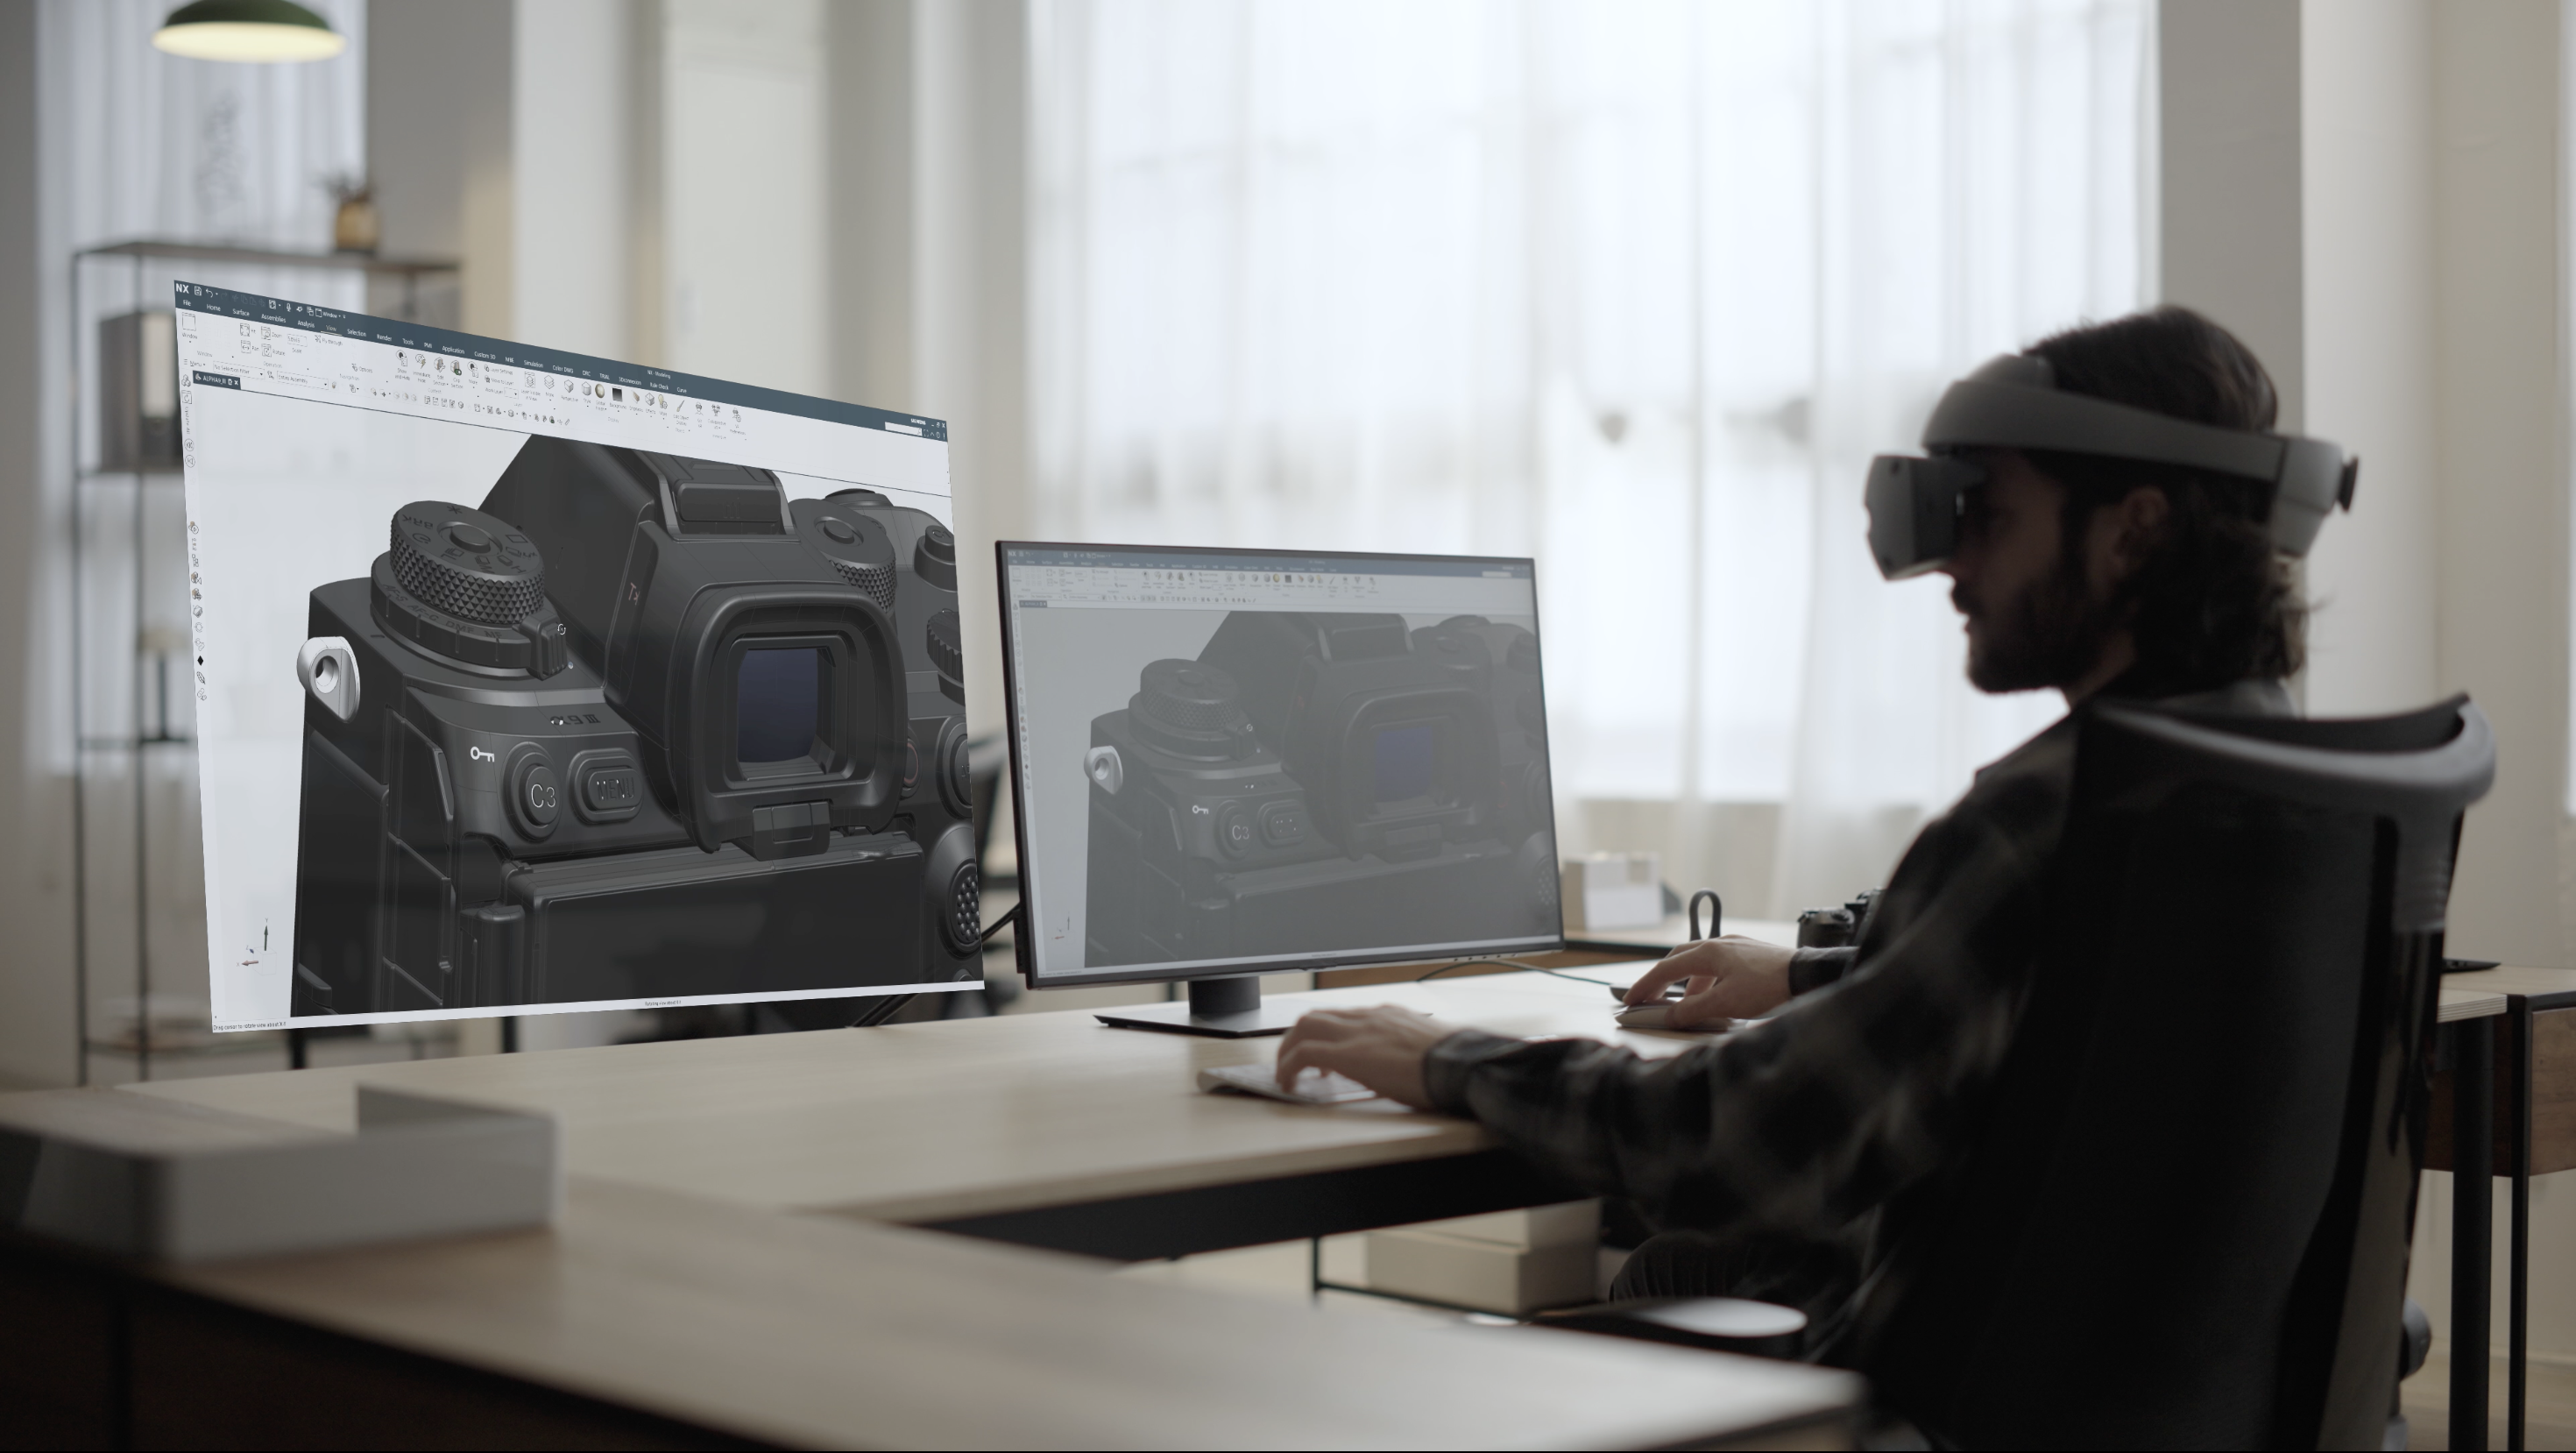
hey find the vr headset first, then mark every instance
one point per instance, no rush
(2013, 402)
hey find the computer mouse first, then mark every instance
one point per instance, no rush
(1660, 1016)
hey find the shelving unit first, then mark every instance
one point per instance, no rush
(130, 614)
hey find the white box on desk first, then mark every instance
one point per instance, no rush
(1491, 1276)
(1569, 1223)
(1613, 890)
(137, 1175)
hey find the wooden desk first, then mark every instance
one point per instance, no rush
(651, 1319)
(680, 1303)
(1043, 1129)
(2514, 1031)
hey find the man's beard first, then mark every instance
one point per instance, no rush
(2051, 636)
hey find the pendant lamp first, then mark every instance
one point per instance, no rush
(248, 30)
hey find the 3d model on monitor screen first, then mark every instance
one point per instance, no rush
(639, 726)
(1316, 782)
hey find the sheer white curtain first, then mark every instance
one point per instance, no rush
(1635, 288)
(137, 144)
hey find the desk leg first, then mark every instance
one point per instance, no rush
(2517, 1285)
(2472, 1229)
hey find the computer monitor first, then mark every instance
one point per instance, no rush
(1226, 763)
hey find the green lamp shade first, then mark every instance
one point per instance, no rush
(248, 30)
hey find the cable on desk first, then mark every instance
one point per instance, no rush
(1509, 964)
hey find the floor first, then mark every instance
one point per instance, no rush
(2549, 1412)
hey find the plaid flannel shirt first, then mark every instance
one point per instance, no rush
(1858, 1090)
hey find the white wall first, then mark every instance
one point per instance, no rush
(743, 192)
(927, 260)
(438, 145)
(2228, 226)
(573, 184)
(2367, 124)
(2502, 518)
(970, 300)
(2434, 310)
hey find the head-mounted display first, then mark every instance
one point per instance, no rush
(2013, 402)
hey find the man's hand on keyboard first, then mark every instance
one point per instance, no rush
(1381, 1048)
(1726, 978)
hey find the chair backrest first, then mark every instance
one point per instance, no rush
(2184, 1219)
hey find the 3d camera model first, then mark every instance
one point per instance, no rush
(639, 727)
(1322, 782)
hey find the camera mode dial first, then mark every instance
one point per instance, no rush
(468, 586)
(468, 564)
(860, 550)
(1192, 709)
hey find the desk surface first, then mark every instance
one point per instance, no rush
(947, 1119)
(2463, 996)
(972, 1117)
(815, 1331)
(2527, 983)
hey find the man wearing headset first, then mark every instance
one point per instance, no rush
(2117, 521)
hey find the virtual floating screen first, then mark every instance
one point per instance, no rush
(528, 681)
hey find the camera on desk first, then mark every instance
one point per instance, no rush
(1836, 927)
(1314, 782)
(637, 727)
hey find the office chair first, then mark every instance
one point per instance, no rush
(2183, 1220)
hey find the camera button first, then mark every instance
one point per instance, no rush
(1283, 823)
(1234, 831)
(838, 533)
(610, 789)
(541, 794)
(536, 793)
(607, 785)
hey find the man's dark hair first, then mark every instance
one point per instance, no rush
(2215, 603)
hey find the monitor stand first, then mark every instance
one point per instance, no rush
(1222, 1008)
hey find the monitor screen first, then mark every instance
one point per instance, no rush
(1229, 761)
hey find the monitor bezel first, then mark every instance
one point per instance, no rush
(1023, 941)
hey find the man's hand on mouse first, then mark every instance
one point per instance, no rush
(1723, 978)
(1381, 1048)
